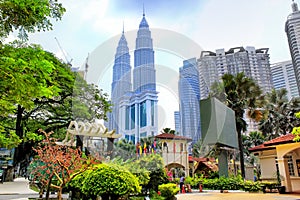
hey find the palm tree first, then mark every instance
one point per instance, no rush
(124, 149)
(279, 114)
(239, 93)
(256, 138)
(168, 130)
(253, 139)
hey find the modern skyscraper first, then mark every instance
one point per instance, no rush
(121, 80)
(189, 96)
(138, 109)
(283, 75)
(292, 27)
(253, 62)
(144, 71)
(177, 121)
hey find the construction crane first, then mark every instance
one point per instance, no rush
(66, 59)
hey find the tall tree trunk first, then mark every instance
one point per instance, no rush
(19, 132)
(59, 193)
(241, 148)
(48, 187)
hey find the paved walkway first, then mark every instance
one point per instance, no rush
(237, 196)
(18, 186)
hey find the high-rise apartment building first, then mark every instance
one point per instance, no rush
(253, 62)
(189, 96)
(292, 29)
(137, 114)
(283, 75)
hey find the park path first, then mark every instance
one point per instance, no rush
(237, 196)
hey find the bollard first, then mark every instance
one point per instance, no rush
(200, 187)
(183, 189)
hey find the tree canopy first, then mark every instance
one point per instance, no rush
(39, 91)
(279, 114)
(27, 16)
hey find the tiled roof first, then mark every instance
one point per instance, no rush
(191, 159)
(171, 136)
(282, 139)
(260, 148)
(288, 138)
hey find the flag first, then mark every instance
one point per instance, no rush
(140, 150)
(145, 148)
(137, 148)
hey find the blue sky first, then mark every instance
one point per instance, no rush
(211, 24)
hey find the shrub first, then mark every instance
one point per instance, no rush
(107, 181)
(251, 186)
(168, 190)
(222, 183)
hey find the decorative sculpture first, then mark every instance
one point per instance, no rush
(87, 129)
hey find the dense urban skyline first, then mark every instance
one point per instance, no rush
(212, 24)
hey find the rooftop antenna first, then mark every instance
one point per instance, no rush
(143, 10)
(69, 62)
(123, 28)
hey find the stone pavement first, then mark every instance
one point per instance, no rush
(236, 196)
(19, 190)
(18, 186)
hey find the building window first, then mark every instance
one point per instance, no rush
(127, 117)
(144, 134)
(290, 165)
(132, 114)
(143, 114)
(127, 137)
(152, 113)
(181, 147)
(132, 138)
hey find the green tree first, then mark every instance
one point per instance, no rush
(28, 74)
(254, 138)
(124, 149)
(155, 165)
(28, 16)
(38, 91)
(239, 93)
(279, 114)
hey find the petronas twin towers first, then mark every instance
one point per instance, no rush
(134, 111)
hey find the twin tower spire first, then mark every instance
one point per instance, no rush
(143, 57)
(134, 99)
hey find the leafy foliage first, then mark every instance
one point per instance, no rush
(124, 149)
(56, 165)
(38, 91)
(28, 16)
(279, 114)
(296, 130)
(107, 181)
(168, 130)
(135, 168)
(155, 165)
(254, 138)
(27, 74)
(168, 190)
